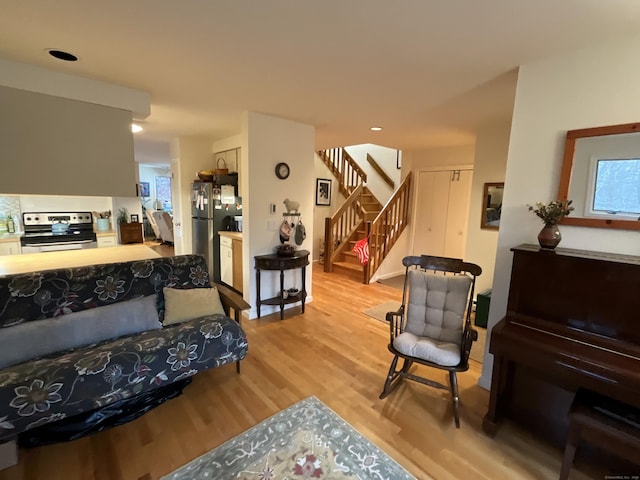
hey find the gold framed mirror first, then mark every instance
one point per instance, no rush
(491, 205)
(601, 175)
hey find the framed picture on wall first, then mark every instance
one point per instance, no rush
(144, 189)
(323, 191)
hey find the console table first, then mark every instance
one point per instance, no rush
(300, 259)
(131, 232)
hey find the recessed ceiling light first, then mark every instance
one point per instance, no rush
(376, 129)
(135, 128)
(62, 55)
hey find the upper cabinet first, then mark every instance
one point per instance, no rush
(59, 146)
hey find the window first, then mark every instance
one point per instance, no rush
(614, 188)
(163, 192)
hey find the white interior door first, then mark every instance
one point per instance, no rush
(442, 212)
(431, 213)
(458, 213)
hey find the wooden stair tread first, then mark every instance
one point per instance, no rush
(349, 266)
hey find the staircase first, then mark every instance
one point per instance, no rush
(347, 262)
(361, 216)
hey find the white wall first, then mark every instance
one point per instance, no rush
(321, 212)
(588, 88)
(61, 203)
(271, 140)
(492, 145)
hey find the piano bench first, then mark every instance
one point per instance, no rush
(604, 422)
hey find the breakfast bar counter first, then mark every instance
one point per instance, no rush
(31, 262)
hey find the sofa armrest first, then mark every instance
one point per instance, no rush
(231, 300)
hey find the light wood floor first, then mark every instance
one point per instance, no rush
(334, 352)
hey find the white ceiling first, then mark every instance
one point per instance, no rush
(428, 71)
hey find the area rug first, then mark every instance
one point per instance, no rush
(305, 441)
(379, 312)
(396, 282)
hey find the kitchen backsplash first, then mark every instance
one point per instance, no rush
(9, 205)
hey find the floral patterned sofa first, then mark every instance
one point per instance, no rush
(124, 371)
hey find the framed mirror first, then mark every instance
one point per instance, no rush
(491, 205)
(601, 175)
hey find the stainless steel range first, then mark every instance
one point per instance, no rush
(51, 231)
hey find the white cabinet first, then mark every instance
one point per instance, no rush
(442, 213)
(10, 248)
(226, 260)
(107, 241)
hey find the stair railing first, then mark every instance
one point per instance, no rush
(344, 168)
(341, 226)
(385, 230)
(380, 171)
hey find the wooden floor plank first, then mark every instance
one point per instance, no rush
(334, 352)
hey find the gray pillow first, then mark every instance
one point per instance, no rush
(25, 341)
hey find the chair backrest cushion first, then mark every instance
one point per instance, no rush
(437, 305)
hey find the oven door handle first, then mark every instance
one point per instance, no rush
(53, 244)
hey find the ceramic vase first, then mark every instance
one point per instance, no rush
(549, 237)
(104, 224)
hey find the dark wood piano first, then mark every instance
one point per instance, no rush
(573, 321)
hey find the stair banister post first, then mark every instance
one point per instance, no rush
(328, 245)
(365, 270)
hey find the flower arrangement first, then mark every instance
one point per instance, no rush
(105, 214)
(552, 212)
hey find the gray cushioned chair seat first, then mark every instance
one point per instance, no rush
(442, 353)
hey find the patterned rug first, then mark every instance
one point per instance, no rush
(305, 441)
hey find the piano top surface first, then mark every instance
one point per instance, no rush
(586, 254)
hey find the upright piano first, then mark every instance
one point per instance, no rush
(572, 321)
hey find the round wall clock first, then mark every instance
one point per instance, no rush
(282, 170)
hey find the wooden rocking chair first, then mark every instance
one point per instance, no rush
(433, 325)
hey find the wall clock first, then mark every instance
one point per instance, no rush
(282, 170)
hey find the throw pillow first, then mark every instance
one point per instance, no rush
(186, 304)
(77, 329)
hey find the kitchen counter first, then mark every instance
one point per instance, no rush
(232, 235)
(105, 233)
(30, 262)
(10, 237)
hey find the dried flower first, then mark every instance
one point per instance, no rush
(553, 212)
(106, 214)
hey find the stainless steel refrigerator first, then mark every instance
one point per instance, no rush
(213, 211)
